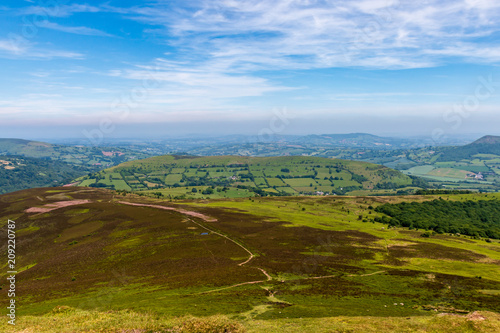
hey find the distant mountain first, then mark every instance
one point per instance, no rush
(78, 155)
(26, 148)
(360, 140)
(488, 139)
(488, 144)
(28, 164)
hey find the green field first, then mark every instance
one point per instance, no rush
(449, 173)
(274, 264)
(287, 175)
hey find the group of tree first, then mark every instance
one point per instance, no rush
(31, 172)
(474, 218)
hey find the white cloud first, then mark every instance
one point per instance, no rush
(316, 34)
(73, 30)
(18, 47)
(54, 9)
(11, 46)
(206, 86)
(40, 53)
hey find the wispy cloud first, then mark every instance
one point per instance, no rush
(50, 54)
(317, 34)
(10, 46)
(55, 9)
(73, 30)
(186, 89)
(18, 48)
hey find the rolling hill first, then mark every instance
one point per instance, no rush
(91, 260)
(18, 173)
(219, 176)
(27, 164)
(355, 140)
(486, 145)
(23, 147)
(78, 155)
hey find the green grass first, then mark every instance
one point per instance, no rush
(465, 269)
(87, 182)
(163, 172)
(172, 179)
(148, 268)
(449, 172)
(66, 319)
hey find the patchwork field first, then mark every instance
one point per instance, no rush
(166, 175)
(266, 264)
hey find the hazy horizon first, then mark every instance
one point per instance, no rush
(148, 69)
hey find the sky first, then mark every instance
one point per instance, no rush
(104, 69)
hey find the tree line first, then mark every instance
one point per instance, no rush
(473, 218)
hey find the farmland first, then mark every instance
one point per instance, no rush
(263, 263)
(235, 176)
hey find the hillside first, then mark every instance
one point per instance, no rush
(474, 166)
(87, 258)
(26, 148)
(18, 173)
(78, 155)
(486, 145)
(242, 176)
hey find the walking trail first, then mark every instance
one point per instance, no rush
(207, 218)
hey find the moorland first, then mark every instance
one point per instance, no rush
(97, 260)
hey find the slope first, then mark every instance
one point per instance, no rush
(310, 258)
(18, 173)
(81, 155)
(486, 145)
(246, 176)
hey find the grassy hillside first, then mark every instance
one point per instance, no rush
(239, 176)
(94, 260)
(18, 173)
(27, 164)
(486, 145)
(26, 147)
(79, 155)
(475, 166)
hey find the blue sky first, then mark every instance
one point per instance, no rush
(152, 68)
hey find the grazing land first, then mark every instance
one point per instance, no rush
(235, 176)
(99, 260)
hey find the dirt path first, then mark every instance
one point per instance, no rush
(368, 274)
(232, 240)
(269, 277)
(229, 287)
(337, 275)
(204, 217)
(209, 219)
